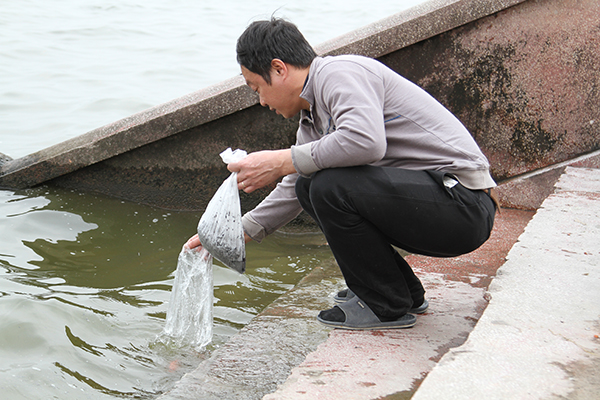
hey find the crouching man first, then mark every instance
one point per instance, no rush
(378, 163)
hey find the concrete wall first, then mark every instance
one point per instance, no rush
(522, 75)
(525, 81)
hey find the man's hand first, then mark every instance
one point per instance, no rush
(259, 169)
(193, 243)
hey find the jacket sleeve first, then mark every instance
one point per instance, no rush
(276, 210)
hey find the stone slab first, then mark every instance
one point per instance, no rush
(260, 357)
(538, 337)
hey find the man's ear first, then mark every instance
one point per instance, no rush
(279, 67)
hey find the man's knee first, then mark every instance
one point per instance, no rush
(330, 183)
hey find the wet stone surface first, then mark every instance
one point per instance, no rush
(259, 358)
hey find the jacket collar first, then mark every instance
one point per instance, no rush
(308, 92)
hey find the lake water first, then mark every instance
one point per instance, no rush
(85, 279)
(84, 286)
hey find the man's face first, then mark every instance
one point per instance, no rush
(279, 96)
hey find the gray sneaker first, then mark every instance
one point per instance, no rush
(346, 294)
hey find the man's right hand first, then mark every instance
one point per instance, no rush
(261, 168)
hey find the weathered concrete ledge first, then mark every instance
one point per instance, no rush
(528, 191)
(522, 75)
(127, 134)
(231, 96)
(412, 26)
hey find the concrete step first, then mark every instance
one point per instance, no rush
(538, 337)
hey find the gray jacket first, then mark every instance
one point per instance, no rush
(363, 113)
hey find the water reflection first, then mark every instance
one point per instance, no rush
(84, 282)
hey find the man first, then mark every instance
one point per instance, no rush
(377, 163)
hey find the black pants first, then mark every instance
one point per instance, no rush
(365, 210)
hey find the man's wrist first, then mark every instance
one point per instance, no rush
(287, 165)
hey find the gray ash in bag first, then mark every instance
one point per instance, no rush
(220, 228)
(222, 236)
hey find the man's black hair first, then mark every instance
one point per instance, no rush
(266, 40)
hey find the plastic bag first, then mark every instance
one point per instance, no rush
(220, 228)
(190, 312)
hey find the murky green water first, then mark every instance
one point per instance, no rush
(84, 286)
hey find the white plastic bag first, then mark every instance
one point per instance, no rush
(220, 228)
(190, 312)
